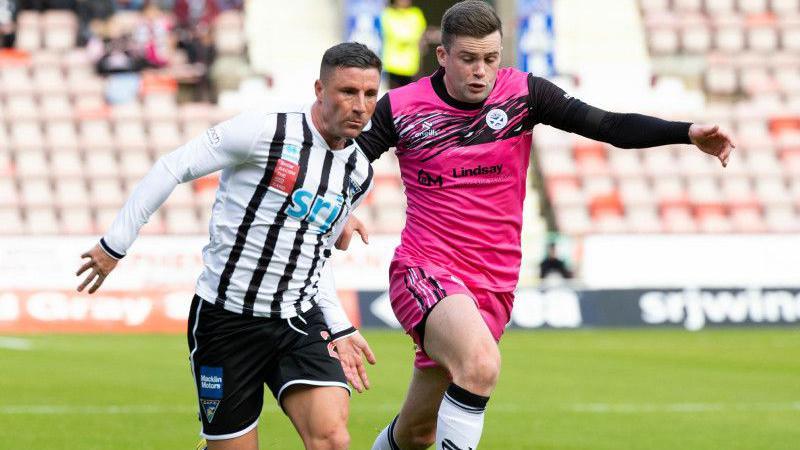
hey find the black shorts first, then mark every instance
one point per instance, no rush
(232, 356)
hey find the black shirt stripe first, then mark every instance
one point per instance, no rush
(348, 170)
(275, 150)
(299, 236)
(274, 230)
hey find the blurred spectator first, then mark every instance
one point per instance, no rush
(8, 19)
(153, 36)
(92, 14)
(192, 13)
(130, 5)
(42, 5)
(403, 27)
(225, 5)
(553, 264)
(119, 56)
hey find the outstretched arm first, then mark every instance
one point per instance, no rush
(550, 105)
(227, 144)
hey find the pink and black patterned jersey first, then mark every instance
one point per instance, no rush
(464, 165)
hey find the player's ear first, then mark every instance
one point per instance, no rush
(318, 89)
(441, 55)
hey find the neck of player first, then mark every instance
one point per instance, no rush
(318, 119)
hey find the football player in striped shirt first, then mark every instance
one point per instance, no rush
(265, 309)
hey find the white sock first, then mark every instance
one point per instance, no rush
(385, 440)
(460, 421)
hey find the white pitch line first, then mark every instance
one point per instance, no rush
(15, 343)
(592, 408)
(638, 408)
(88, 410)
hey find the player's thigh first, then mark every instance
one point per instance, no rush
(421, 407)
(248, 441)
(317, 412)
(456, 333)
(228, 358)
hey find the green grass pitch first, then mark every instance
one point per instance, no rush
(594, 390)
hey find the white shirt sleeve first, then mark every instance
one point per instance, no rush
(331, 305)
(227, 144)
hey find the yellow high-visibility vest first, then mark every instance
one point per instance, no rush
(402, 31)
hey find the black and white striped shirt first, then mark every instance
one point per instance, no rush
(284, 197)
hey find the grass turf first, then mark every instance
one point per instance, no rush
(601, 390)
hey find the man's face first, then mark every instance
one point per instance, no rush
(348, 96)
(471, 66)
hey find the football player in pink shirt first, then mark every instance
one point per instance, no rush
(463, 140)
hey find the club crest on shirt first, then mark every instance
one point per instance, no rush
(496, 119)
(353, 188)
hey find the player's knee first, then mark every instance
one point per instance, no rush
(333, 438)
(482, 370)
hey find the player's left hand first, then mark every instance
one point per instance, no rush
(101, 264)
(710, 139)
(350, 350)
(352, 225)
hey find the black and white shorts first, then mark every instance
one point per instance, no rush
(232, 356)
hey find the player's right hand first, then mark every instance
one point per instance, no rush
(353, 224)
(100, 263)
(350, 350)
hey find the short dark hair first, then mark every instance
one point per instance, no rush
(348, 54)
(473, 18)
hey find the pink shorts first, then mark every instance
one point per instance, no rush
(415, 288)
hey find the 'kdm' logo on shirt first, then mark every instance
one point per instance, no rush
(426, 179)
